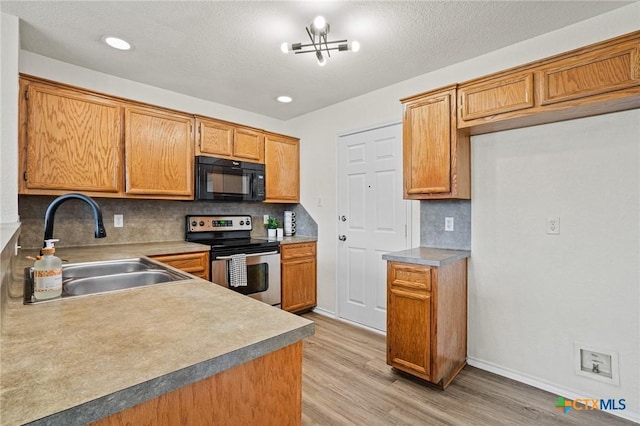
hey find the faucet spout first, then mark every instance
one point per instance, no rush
(51, 211)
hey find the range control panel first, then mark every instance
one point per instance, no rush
(218, 223)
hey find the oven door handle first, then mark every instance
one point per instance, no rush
(249, 255)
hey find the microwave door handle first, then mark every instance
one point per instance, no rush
(249, 255)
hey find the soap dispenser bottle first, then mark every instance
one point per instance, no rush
(47, 273)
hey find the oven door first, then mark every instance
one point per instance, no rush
(263, 276)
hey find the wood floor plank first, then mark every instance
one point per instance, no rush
(346, 381)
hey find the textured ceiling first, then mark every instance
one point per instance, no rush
(229, 52)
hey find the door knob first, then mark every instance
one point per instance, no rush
(342, 237)
(343, 218)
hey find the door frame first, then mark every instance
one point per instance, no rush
(413, 212)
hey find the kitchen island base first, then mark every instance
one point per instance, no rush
(265, 391)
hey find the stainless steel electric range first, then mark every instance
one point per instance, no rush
(230, 236)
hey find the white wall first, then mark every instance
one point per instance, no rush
(319, 130)
(533, 295)
(9, 48)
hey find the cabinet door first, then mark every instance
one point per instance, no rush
(409, 318)
(194, 263)
(298, 284)
(159, 153)
(582, 75)
(496, 96)
(436, 155)
(214, 137)
(282, 165)
(72, 141)
(248, 144)
(427, 145)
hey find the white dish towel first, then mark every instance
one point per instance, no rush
(238, 270)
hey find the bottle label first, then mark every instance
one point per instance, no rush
(48, 280)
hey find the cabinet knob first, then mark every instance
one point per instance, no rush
(342, 237)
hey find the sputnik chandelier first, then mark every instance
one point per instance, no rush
(319, 45)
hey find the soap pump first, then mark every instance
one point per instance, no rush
(47, 273)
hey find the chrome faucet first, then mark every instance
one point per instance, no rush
(51, 211)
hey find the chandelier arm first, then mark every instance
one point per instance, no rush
(326, 45)
(313, 40)
(313, 51)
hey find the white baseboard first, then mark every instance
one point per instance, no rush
(544, 385)
(323, 312)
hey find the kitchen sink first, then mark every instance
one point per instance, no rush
(80, 279)
(93, 269)
(114, 282)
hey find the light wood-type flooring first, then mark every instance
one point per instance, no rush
(346, 381)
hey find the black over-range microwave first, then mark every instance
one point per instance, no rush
(220, 179)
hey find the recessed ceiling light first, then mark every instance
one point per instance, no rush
(116, 43)
(284, 99)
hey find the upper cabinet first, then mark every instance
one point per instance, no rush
(76, 140)
(69, 141)
(282, 168)
(159, 153)
(221, 139)
(597, 79)
(435, 153)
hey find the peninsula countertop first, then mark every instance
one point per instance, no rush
(428, 256)
(73, 361)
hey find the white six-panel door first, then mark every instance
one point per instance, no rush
(372, 220)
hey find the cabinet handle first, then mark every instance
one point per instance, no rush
(342, 237)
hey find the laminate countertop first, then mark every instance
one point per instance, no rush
(74, 361)
(427, 256)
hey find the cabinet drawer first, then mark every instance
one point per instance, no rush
(194, 263)
(496, 96)
(410, 277)
(295, 251)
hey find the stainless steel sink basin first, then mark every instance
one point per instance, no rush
(93, 269)
(114, 282)
(81, 279)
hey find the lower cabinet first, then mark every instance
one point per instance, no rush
(427, 320)
(194, 263)
(298, 268)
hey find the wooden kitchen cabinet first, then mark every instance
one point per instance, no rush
(496, 96)
(226, 140)
(282, 168)
(596, 79)
(69, 140)
(427, 320)
(159, 153)
(194, 263)
(298, 269)
(436, 157)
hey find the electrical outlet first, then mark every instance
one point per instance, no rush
(553, 225)
(265, 218)
(118, 221)
(448, 224)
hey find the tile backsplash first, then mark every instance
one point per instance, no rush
(144, 220)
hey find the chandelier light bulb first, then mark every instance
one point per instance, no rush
(284, 47)
(319, 22)
(355, 46)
